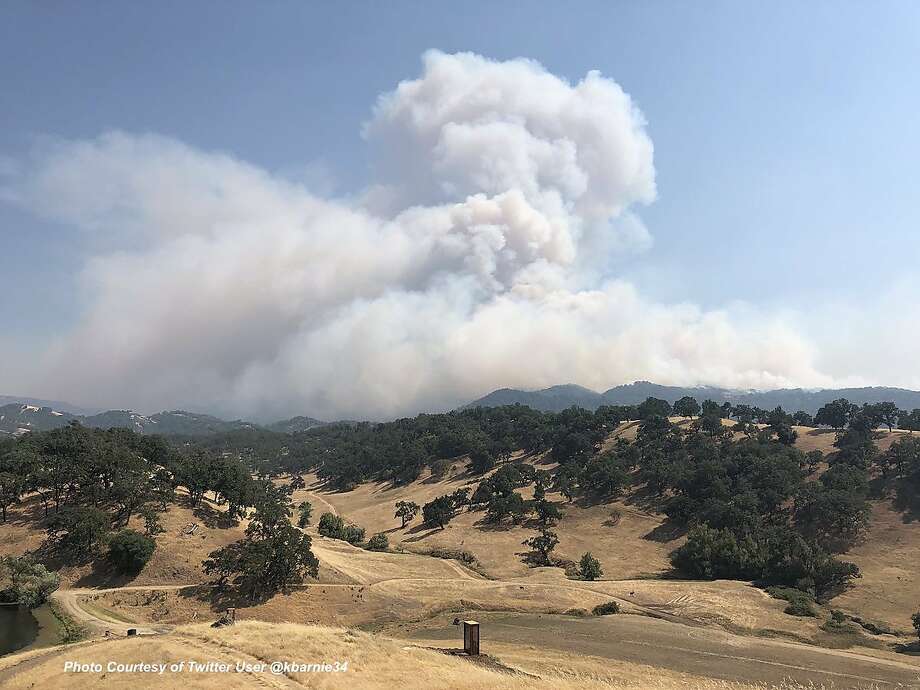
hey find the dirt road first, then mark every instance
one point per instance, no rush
(701, 651)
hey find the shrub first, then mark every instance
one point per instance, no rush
(378, 542)
(589, 567)
(916, 621)
(800, 603)
(331, 525)
(334, 527)
(606, 609)
(130, 550)
(304, 511)
(353, 534)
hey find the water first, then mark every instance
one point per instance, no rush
(18, 628)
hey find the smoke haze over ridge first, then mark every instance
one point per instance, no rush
(475, 260)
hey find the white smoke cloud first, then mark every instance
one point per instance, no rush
(477, 260)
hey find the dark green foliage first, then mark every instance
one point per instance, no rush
(334, 527)
(297, 482)
(909, 420)
(378, 542)
(506, 506)
(654, 407)
(686, 407)
(331, 525)
(606, 609)
(800, 603)
(272, 557)
(589, 567)
(438, 512)
(770, 556)
(129, 550)
(406, 511)
(542, 544)
(803, 419)
(77, 531)
(304, 512)
(834, 510)
(25, 582)
(353, 534)
(604, 475)
(481, 461)
(835, 414)
(915, 619)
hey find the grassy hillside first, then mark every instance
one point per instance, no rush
(373, 662)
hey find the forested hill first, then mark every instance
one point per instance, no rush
(558, 398)
(20, 417)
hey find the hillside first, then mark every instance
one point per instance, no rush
(20, 417)
(373, 662)
(558, 398)
(536, 620)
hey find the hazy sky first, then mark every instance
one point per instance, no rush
(206, 205)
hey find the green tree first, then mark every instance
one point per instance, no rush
(687, 407)
(506, 506)
(272, 557)
(76, 531)
(406, 511)
(331, 525)
(438, 512)
(542, 544)
(915, 619)
(130, 550)
(589, 567)
(834, 414)
(654, 407)
(24, 582)
(304, 512)
(378, 542)
(803, 419)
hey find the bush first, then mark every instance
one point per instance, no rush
(304, 511)
(606, 609)
(800, 603)
(353, 534)
(916, 621)
(378, 542)
(334, 527)
(331, 525)
(589, 567)
(130, 550)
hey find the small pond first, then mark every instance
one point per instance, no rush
(18, 628)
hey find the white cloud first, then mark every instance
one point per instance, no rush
(480, 258)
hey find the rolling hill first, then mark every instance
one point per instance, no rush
(558, 398)
(19, 417)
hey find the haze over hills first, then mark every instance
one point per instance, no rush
(20, 417)
(557, 398)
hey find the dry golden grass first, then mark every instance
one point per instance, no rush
(373, 662)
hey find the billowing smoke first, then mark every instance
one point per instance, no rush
(470, 263)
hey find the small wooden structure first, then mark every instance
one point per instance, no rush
(471, 638)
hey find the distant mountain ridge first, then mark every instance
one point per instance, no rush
(21, 417)
(557, 398)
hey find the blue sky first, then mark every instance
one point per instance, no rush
(785, 137)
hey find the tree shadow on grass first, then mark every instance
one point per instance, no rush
(665, 532)
(910, 648)
(104, 576)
